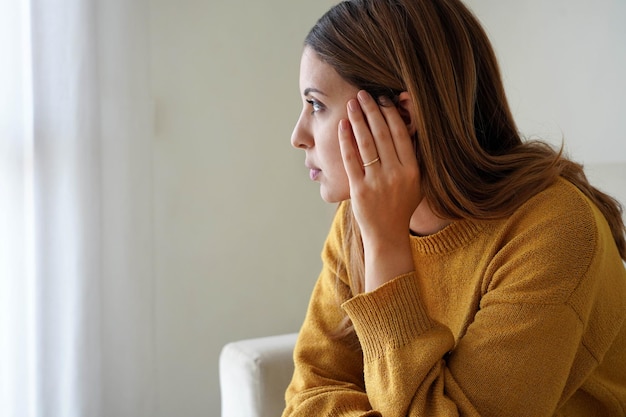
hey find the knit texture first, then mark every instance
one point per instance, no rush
(523, 316)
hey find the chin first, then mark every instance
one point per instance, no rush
(333, 196)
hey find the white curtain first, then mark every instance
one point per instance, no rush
(76, 268)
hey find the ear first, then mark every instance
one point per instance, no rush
(407, 111)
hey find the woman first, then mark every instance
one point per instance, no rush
(466, 272)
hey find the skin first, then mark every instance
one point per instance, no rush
(341, 128)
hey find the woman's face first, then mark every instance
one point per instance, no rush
(325, 96)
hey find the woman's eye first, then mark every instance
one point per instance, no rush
(315, 105)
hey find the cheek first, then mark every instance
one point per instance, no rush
(332, 153)
(338, 177)
(335, 186)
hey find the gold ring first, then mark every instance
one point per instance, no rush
(372, 162)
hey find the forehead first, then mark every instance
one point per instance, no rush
(317, 74)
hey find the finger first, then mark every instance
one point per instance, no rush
(378, 127)
(402, 141)
(364, 139)
(349, 151)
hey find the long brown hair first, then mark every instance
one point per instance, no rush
(472, 160)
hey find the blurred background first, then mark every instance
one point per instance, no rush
(238, 224)
(207, 228)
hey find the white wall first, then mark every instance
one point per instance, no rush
(564, 65)
(239, 226)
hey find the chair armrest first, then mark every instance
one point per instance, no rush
(254, 375)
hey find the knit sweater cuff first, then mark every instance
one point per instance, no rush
(389, 317)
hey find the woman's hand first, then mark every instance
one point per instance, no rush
(382, 169)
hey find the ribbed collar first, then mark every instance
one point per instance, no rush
(451, 237)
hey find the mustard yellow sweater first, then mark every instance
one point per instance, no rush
(518, 317)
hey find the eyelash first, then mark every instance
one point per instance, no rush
(316, 105)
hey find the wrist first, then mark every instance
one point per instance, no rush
(385, 261)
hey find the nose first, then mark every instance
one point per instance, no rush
(301, 138)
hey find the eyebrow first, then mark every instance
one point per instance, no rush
(309, 90)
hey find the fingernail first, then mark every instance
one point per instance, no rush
(363, 96)
(353, 105)
(343, 124)
(384, 101)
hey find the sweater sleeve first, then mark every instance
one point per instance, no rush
(328, 375)
(504, 366)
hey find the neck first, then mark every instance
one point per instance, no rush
(424, 222)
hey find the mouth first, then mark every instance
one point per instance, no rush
(314, 173)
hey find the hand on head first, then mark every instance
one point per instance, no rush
(381, 164)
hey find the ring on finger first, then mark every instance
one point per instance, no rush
(372, 162)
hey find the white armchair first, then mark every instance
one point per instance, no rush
(254, 373)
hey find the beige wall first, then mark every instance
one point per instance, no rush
(239, 226)
(563, 63)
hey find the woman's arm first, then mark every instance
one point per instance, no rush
(328, 377)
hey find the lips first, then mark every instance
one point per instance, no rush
(314, 173)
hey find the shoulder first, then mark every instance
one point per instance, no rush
(547, 247)
(558, 200)
(560, 212)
